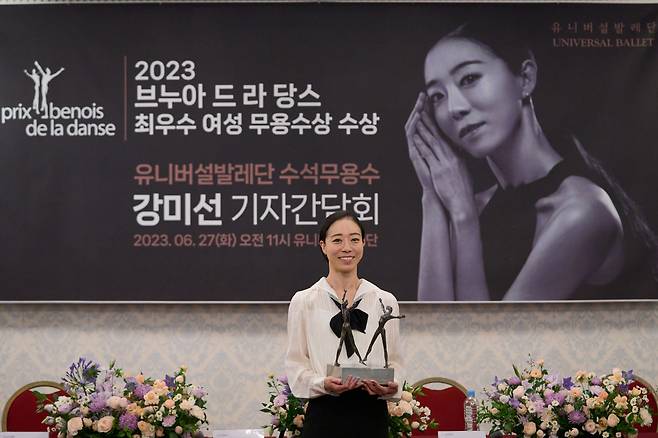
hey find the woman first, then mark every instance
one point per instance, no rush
(351, 408)
(555, 226)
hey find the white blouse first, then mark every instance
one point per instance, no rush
(312, 345)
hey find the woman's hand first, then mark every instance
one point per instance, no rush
(374, 388)
(422, 170)
(335, 385)
(447, 171)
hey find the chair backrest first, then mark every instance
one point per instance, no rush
(653, 402)
(445, 398)
(20, 413)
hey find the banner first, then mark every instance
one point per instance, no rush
(184, 152)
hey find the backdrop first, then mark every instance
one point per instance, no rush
(190, 152)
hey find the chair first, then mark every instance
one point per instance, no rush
(653, 402)
(20, 413)
(446, 404)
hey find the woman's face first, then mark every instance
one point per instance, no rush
(475, 98)
(343, 245)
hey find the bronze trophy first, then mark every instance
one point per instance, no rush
(380, 375)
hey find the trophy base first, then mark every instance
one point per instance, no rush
(379, 375)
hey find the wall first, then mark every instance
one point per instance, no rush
(231, 348)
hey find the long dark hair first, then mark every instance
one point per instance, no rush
(508, 41)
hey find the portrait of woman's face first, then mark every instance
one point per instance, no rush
(343, 245)
(474, 96)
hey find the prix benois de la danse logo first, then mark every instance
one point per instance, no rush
(43, 118)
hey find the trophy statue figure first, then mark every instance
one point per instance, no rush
(381, 331)
(346, 335)
(362, 370)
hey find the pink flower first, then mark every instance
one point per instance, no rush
(105, 424)
(280, 400)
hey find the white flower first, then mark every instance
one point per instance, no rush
(644, 390)
(504, 398)
(186, 405)
(633, 401)
(518, 392)
(646, 417)
(177, 397)
(502, 386)
(610, 388)
(606, 382)
(180, 379)
(555, 403)
(618, 434)
(605, 434)
(406, 407)
(634, 409)
(197, 412)
(540, 433)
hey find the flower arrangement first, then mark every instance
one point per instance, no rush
(407, 414)
(107, 402)
(534, 403)
(287, 410)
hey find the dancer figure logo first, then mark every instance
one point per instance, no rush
(41, 85)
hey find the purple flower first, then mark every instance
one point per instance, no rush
(170, 381)
(514, 403)
(128, 421)
(539, 407)
(576, 417)
(596, 390)
(141, 390)
(627, 375)
(169, 421)
(283, 379)
(280, 400)
(623, 389)
(596, 381)
(514, 380)
(98, 402)
(552, 379)
(65, 409)
(199, 392)
(567, 383)
(553, 396)
(131, 383)
(275, 420)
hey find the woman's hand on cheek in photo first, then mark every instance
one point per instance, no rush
(448, 172)
(420, 166)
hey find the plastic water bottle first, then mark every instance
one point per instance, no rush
(470, 411)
